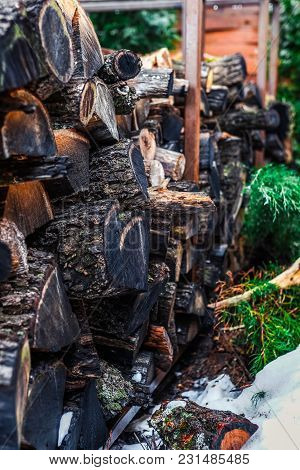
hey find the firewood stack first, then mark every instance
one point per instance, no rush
(100, 237)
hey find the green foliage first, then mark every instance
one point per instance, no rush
(271, 321)
(289, 71)
(141, 31)
(272, 218)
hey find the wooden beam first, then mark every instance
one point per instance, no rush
(273, 65)
(263, 30)
(130, 5)
(192, 16)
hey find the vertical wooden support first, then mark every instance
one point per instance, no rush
(274, 48)
(192, 16)
(263, 29)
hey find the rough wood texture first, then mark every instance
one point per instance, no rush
(200, 428)
(120, 66)
(118, 172)
(217, 99)
(14, 241)
(166, 313)
(14, 378)
(124, 97)
(158, 340)
(36, 302)
(187, 328)
(172, 162)
(29, 49)
(28, 206)
(154, 83)
(237, 121)
(5, 261)
(174, 258)
(190, 299)
(229, 70)
(25, 127)
(147, 144)
(44, 405)
(75, 146)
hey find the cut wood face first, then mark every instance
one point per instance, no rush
(88, 102)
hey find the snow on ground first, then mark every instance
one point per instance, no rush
(272, 402)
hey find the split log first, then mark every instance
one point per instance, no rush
(26, 128)
(82, 424)
(19, 169)
(29, 49)
(200, 428)
(103, 125)
(5, 262)
(158, 340)
(44, 405)
(36, 302)
(218, 99)
(154, 83)
(190, 298)
(172, 162)
(180, 87)
(187, 328)
(174, 258)
(170, 119)
(14, 242)
(229, 70)
(147, 144)
(157, 177)
(93, 248)
(113, 390)
(230, 147)
(166, 313)
(118, 172)
(274, 148)
(160, 58)
(28, 206)
(251, 95)
(142, 109)
(237, 121)
(204, 103)
(124, 96)
(185, 226)
(120, 66)
(143, 370)
(75, 146)
(288, 278)
(118, 350)
(184, 186)
(207, 77)
(123, 315)
(14, 378)
(190, 256)
(207, 150)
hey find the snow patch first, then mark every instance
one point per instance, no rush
(137, 377)
(64, 426)
(175, 404)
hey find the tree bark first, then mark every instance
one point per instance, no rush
(190, 299)
(147, 144)
(120, 66)
(187, 328)
(229, 70)
(154, 83)
(238, 121)
(14, 241)
(124, 97)
(174, 258)
(217, 99)
(20, 169)
(166, 313)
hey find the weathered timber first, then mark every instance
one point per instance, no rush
(118, 172)
(174, 258)
(187, 328)
(229, 70)
(160, 58)
(180, 87)
(206, 77)
(185, 225)
(36, 302)
(29, 49)
(190, 298)
(103, 125)
(172, 162)
(158, 340)
(204, 104)
(207, 151)
(153, 83)
(44, 405)
(20, 169)
(26, 128)
(190, 256)
(142, 109)
(238, 121)
(184, 186)
(141, 375)
(251, 95)
(122, 316)
(217, 99)
(147, 144)
(120, 66)
(166, 313)
(170, 119)
(86, 425)
(91, 248)
(200, 428)
(230, 147)
(257, 140)
(14, 378)
(124, 97)
(75, 146)
(114, 391)
(14, 241)
(28, 206)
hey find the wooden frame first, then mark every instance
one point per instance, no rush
(274, 50)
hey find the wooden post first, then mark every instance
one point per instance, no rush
(263, 29)
(192, 16)
(273, 66)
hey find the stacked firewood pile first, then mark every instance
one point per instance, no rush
(99, 236)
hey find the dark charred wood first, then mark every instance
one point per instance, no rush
(153, 83)
(141, 375)
(118, 172)
(20, 169)
(14, 378)
(237, 121)
(204, 106)
(284, 111)
(36, 302)
(258, 141)
(184, 186)
(14, 250)
(274, 148)
(190, 257)
(185, 226)
(75, 146)
(124, 96)
(120, 66)
(29, 49)
(190, 298)
(158, 340)
(44, 405)
(171, 121)
(219, 430)
(174, 258)
(207, 151)
(26, 128)
(187, 328)
(229, 70)
(217, 99)
(251, 95)
(28, 206)
(166, 313)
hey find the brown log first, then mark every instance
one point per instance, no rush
(237, 121)
(154, 83)
(229, 70)
(147, 144)
(36, 303)
(172, 162)
(14, 241)
(218, 430)
(158, 340)
(29, 49)
(158, 59)
(120, 66)
(14, 379)
(25, 128)
(28, 206)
